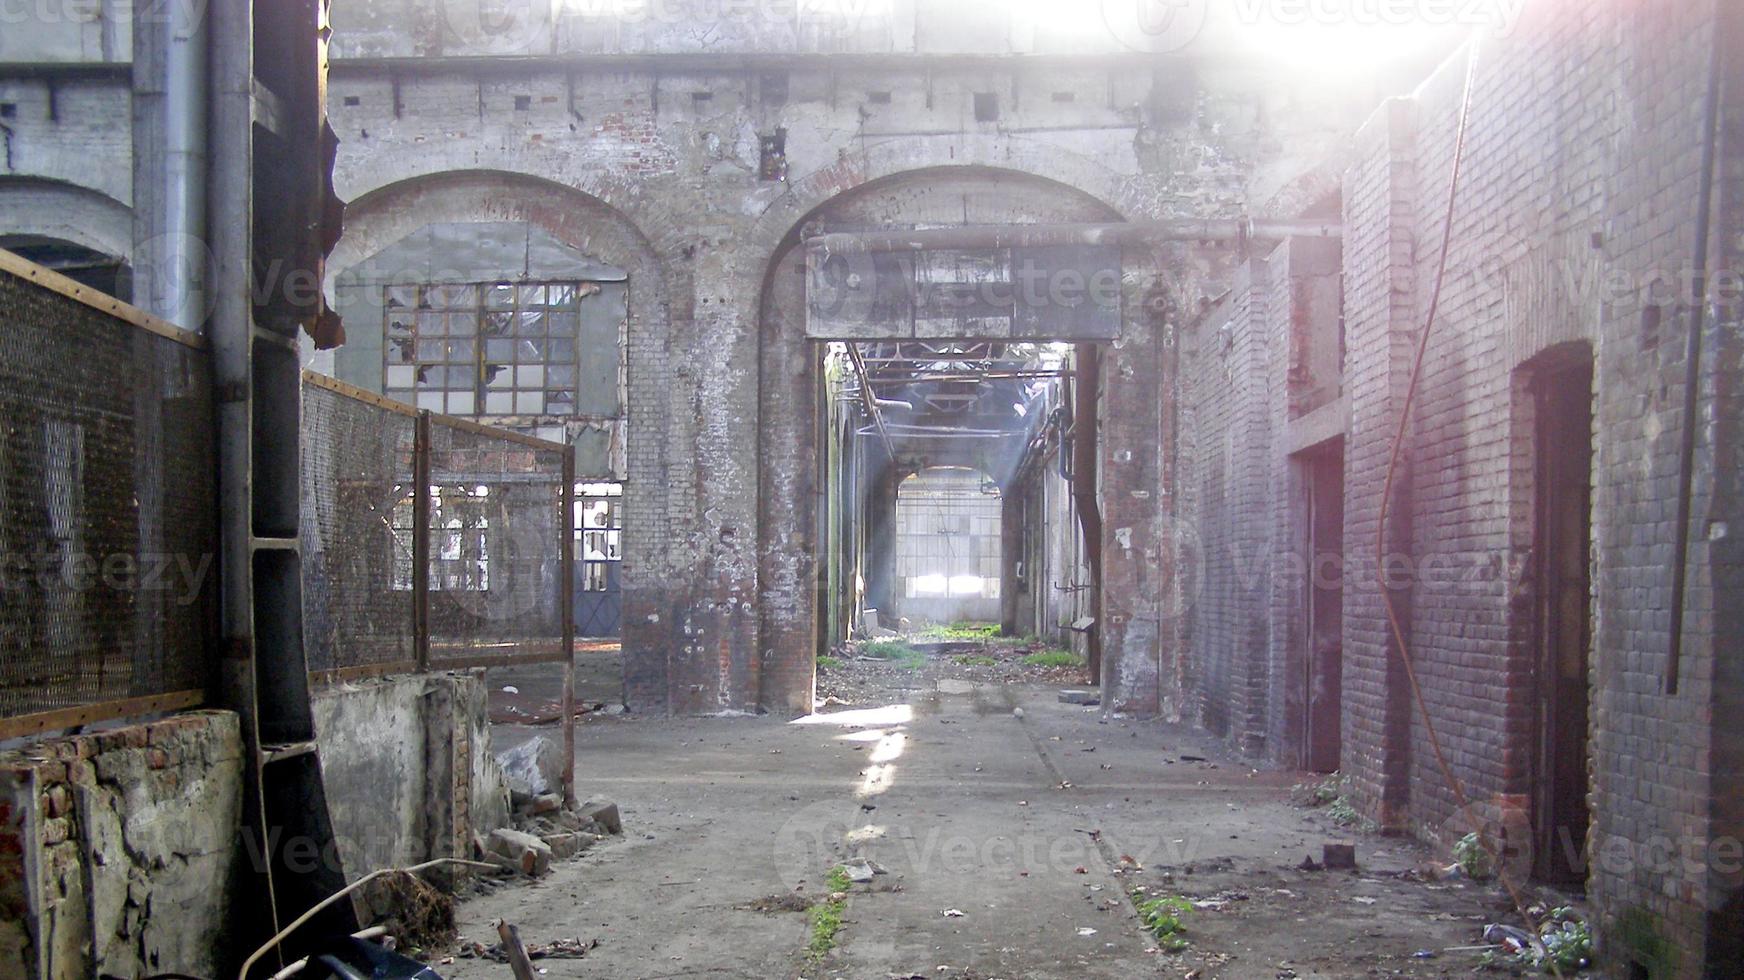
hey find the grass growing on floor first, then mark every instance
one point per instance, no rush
(1162, 919)
(895, 651)
(826, 916)
(962, 631)
(973, 661)
(829, 663)
(1054, 658)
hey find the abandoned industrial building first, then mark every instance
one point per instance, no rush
(871, 488)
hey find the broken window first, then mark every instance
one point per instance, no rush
(459, 540)
(501, 348)
(599, 523)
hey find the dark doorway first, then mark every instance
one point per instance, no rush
(1323, 696)
(1563, 450)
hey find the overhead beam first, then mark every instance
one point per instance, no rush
(1044, 234)
(871, 402)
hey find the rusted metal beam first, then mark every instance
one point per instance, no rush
(870, 402)
(1044, 234)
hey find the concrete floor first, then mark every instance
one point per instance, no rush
(1023, 823)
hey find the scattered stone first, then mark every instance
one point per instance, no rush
(1338, 857)
(528, 853)
(1309, 864)
(533, 768)
(602, 813)
(565, 846)
(545, 803)
(1086, 698)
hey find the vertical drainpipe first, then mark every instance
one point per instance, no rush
(170, 87)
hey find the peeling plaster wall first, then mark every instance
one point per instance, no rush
(408, 770)
(119, 850)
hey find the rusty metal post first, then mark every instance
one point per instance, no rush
(421, 542)
(566, 600)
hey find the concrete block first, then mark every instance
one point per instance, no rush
(527, 852)
(604, 814)
(1338, 857)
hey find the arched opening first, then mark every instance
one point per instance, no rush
(957, 381)
(105, 273)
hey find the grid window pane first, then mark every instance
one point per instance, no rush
(487, 348)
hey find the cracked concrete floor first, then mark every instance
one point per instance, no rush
(1029, 823)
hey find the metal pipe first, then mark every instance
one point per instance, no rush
(870, 401)
(1692, 364)
(172, 78)
(1103, 233)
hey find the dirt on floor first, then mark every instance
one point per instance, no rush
(1004, 834)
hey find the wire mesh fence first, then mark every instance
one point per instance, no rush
(108, 529)
(500, 545)
(430, 541)
(358, 493)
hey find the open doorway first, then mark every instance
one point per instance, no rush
(948, 557)
(1561, 386)
(1323, 602)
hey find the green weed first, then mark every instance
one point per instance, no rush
(1054, 658)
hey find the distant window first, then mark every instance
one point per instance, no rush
(599, 523)
(523, 103)
(986, 107)
(459, 540)
(8, 110)
(485, 348)
(352, 100)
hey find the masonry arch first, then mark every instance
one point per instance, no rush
(791, 449)
(79, 232)
(487, 226)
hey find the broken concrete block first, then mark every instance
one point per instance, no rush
(604, 814)
(1080, 697)
(533, 768)
(1338, 857)
(529, 853)
(545, 803)
(565, 846)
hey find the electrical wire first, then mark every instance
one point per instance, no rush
(1403, 645)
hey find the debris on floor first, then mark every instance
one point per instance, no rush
(545, 831)
(417, 914)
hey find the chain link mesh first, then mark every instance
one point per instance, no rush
(356, 531)
(497, 527)
(108, 526)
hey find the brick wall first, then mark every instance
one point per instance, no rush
(1579, 183)
(119, 849)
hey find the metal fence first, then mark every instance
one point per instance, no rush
(108, 527)
(430, 541)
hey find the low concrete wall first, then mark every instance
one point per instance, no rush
(119, 850)
(407, 768)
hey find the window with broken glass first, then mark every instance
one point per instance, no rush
(460, 545)
(599, 523)
(485, 348)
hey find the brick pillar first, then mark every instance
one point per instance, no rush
(1137, 520)
(1379, 330)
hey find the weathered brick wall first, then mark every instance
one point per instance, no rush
(1579, 183)
(1241, 494)
(119, 850)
